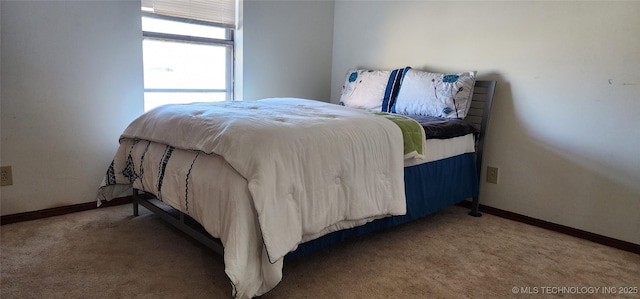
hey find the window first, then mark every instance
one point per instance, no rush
(186, 59)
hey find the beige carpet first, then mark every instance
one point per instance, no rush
(107, 253)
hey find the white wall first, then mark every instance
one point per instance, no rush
(71, 82)
(287, 49)
(564, 126)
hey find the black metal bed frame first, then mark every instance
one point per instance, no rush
(178, 219)
(478, 115)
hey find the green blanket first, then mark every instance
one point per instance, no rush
(412, 133)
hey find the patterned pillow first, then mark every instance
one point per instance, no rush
(371, 89)
(435, 94)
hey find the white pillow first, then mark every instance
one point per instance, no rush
(364, 89)
(371, 89)
(435, 94)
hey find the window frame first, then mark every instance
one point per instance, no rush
(228, 43)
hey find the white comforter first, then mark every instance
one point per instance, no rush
(302, 168)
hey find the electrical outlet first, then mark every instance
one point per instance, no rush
(492, 175)
(6, 178)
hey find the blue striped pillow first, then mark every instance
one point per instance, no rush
(371, 89)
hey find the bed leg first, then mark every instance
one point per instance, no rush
(135, 202)
(475, 208)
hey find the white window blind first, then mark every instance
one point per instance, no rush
(221, 12)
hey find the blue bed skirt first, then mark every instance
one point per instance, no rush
(429, 188)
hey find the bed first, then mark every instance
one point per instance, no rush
(257, 202)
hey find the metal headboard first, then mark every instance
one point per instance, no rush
(478, 115)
